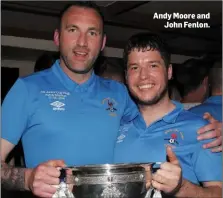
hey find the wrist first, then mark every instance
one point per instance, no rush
(28, 173)
(177, 189)
(180, 189)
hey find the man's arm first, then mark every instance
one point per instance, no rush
(39, 180)
(12, 178)
(209, 190)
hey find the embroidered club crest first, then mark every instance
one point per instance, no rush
(110, 106)
(174, 137)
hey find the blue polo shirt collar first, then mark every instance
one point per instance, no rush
(171, 117)
(70, 84)
(214, 99)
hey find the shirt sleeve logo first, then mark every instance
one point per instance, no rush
(110, 104)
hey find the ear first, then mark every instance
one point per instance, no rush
(103, 42)
(56, 37)
(205, 81)
(170, 71)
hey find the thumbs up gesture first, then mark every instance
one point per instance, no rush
(169, 177)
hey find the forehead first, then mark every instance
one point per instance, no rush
(75, 14)
(136, 55)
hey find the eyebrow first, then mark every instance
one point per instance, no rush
(95, 29)
(131, 64)
(71, 25)
(89, 29)
(159, 62)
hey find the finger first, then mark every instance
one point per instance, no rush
(169, 175)
(148, 184)
(148, 175)
(44, 179)
(158, 185)
(160, 179)
(171, 155)
(217, 142)
(208, 127)
(44, 190)
(217, 149)
(209, 117)
(56, 163)
(167, 166)
(207, 135)
(50, 180)
(52, 172)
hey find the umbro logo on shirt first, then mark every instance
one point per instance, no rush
(123, 131)
(58, 106)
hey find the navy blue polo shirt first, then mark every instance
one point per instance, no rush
(60, 119)
(138, 143)
(213, 105)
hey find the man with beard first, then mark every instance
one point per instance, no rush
(65, 112)
(164, 123)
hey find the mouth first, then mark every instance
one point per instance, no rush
(146, 86)
(81, 54)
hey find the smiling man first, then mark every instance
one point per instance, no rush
(164, 122)
(65, 114)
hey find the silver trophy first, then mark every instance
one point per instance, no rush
(108, 181)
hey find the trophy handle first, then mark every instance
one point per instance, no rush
(63, 188)
(62, 176)
(152, 192)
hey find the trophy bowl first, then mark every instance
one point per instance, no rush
(110, 181)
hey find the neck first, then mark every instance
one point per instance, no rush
(76, 77)
(156, 111)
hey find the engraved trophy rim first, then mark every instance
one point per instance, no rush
(108, 166)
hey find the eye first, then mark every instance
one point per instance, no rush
(93, 33)
(154, 65)
(72, 30)
(133, 68)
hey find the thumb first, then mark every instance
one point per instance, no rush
(209, 117)
(171, 156)
(56, 163)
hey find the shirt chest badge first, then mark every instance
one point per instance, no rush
(173, 137)
(110, 106)
(57, 99)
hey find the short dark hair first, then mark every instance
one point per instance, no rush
(147, 41)
(190, 74)
(84, 4)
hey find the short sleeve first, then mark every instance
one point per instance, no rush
(131, 110)
(207, 165)
(14, 112)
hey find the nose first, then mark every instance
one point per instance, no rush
(144, 73)
(82, 40)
